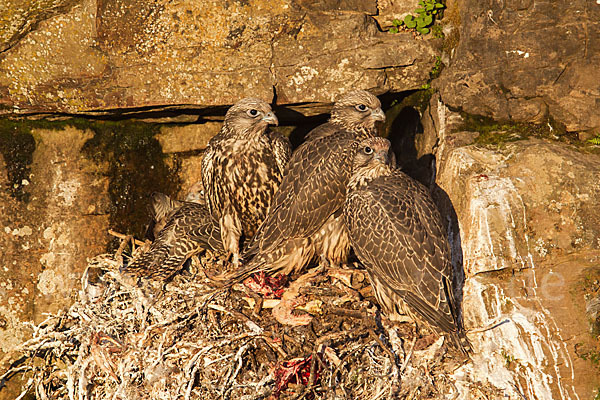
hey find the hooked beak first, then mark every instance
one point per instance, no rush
(378, 115)
(382, 157)
(270, 119)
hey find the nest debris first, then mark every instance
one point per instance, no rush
(189, 340)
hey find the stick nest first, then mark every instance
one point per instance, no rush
(189, 340)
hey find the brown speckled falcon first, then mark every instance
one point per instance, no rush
(242, 169)
(187, 229)
(397, 233)
(356, 111)
(305, 216)
(162, 207)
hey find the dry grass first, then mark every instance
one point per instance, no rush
(190, 340)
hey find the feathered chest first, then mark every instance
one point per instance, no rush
(243, 176)
(244, 162)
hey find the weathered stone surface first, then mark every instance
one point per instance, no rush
(365, 6)
(104, 55)
(18, 17)
(46, 239)
(526, 60)
(187, 137)
(389, 10)
(315, 65)
(528, 236)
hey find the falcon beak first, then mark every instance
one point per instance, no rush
(270, 119)
(382, 157)
(378, 115)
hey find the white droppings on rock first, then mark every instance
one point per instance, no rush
(48, 233)
(490, 244)
(49, 282)
(515, 355)
(24, 231)
(68, 191)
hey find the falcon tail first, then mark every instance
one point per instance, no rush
(461, 343)
(291, 257)
(162, 260)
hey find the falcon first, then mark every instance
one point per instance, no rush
(162, 208)
(305, 217)
(357, 111)
(241, 170)
(397, 232)
(187, 229)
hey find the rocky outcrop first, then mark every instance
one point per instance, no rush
(522, 215)
(525, 229)
(19, 17)
(131, 54)
(527, 60)
(47, 235)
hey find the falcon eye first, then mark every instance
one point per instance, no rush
(368, 150)
(361, 107)
(253, 112)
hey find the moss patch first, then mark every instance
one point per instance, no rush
(496, 133)
(136, 168)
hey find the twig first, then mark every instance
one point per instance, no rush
(382, 345)
(126, 237)
(407, 358)
(231, 376)
(344, 312)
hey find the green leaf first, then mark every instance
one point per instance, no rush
(429, 7)
(393, 30)
(419, 11)
(424, 20)
(423, 31)
(396, 22)
(410, 22)
(439, 5)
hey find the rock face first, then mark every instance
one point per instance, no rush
(106, 55)
(529, 239)
(19, 17)
(523, 216)
(527, 60)
(47, 235)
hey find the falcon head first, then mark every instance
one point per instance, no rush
(250, 115)
(372, 159)
(196, 193)
(357, 110)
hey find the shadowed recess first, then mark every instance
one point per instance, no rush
(17, 146)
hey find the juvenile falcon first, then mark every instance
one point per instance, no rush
(397, 233)
(162, 207)
(241, 171)
(305, 216)
(356, 111)
(188, 229)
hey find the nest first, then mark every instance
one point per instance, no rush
(187, 339)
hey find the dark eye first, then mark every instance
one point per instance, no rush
(361, 107)
(368, 150)
(253, 112)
